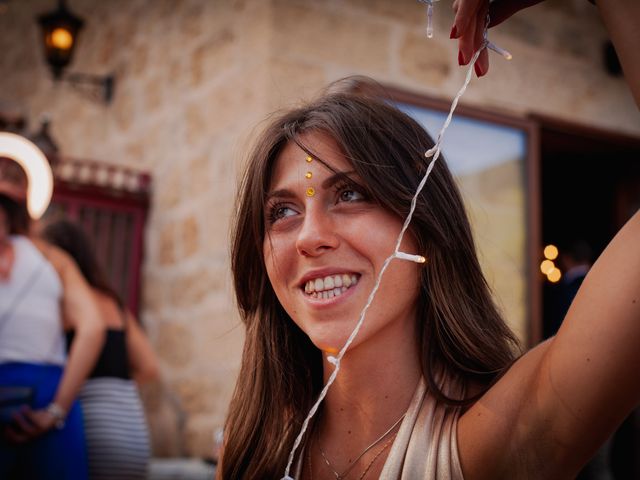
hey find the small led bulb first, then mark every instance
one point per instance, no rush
(410, 257)
(501, 51)
(432, 151)
(429, 4)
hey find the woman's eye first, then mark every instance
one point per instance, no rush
(351, 195)
(278, 212)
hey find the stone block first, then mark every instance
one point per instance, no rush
(167, 249)
(190, 232)
(292, 80)
(229, 105)
(165, 419)
(135, 150)
(196, 394)
(192, 287)
(139, 59)
(174, 344)
(409, 13)
(323, 35)
(123, 109)
(426, 61)
(199, 435)
(154, 295)
(168, 190)
(221, 333)
(192, 20)
(195, 123)
(217, 54)
(198, 172)
(216, 234)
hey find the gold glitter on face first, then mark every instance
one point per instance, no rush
(310, 190)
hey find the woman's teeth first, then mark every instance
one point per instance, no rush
(330, 286)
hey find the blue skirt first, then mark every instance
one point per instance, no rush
(58, 454)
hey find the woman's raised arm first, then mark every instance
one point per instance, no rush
(549, 413)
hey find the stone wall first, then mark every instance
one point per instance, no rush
(194, 79)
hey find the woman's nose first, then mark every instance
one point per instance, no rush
(317, 234)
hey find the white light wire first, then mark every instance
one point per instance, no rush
(432, 152)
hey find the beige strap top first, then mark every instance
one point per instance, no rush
(426, 446)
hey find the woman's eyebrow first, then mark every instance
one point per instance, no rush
(280, 193)
(337, 177)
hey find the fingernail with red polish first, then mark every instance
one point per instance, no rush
(454, 32)
(460, 58)
(476, 67)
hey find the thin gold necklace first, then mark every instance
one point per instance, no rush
(364, 472)
(384, 447)
(340, 476)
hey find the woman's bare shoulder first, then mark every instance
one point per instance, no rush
(55, 255)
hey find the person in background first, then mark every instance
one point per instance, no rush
(115, 425)
(575, 262)
(41, 293)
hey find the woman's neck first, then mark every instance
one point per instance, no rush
(374, 386)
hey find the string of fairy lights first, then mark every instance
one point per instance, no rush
(433, 153)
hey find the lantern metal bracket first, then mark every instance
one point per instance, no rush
(97, 87)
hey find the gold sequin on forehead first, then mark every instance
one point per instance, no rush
(310, 190)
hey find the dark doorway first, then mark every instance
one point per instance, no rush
(589, 187)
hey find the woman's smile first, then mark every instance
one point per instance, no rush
(326, 289)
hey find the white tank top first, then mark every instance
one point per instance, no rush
(32, 331)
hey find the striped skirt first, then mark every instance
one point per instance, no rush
(115, 429)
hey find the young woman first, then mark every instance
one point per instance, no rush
(116, 430)
(431, 387)
(41, 293)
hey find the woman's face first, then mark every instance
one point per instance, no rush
(326, 241)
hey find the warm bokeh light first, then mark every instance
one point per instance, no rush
(35, 165)
(554, 275)
(61, 38)
(551, 252)
(546, 266)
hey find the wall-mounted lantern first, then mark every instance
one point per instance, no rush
(60, 30)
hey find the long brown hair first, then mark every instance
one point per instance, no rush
(461, 331)
(71, 238)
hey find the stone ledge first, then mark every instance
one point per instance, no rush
(180, 469)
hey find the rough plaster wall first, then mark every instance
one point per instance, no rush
(194, 78)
